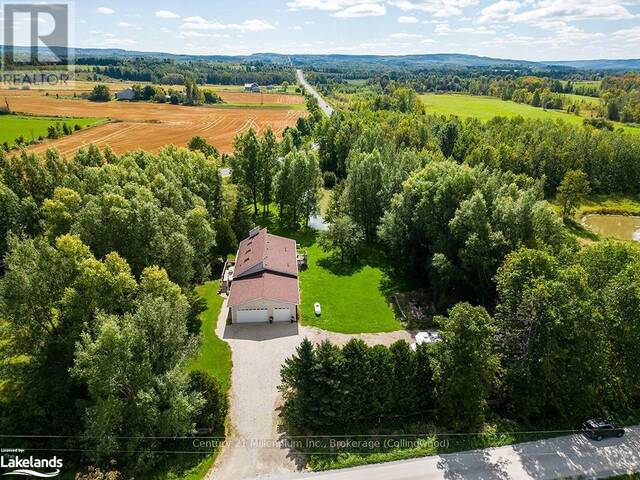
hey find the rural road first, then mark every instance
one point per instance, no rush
(324, 106)
(563, 457)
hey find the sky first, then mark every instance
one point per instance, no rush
(517, 29)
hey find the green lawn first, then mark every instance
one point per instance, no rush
(31, 128)
(214, 355)
(352, 297)
(485, 108)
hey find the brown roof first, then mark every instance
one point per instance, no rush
(268, 252)
(264, 286)
(266, 268)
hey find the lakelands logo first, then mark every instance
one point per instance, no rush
(31, 466)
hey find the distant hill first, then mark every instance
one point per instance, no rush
(442, 60)
(603, 64)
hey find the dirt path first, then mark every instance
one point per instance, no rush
(256, 447)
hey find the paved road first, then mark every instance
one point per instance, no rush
(326, 108)
(562, 457)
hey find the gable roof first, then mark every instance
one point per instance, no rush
(266, 252)
(264, 286)
(266, 268)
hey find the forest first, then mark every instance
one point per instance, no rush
(536, 327)
(175, 72)
(101, 254)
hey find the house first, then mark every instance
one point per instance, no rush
(126, 94)
(252, 87)
(264, 286)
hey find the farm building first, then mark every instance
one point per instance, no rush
(264, 284)
(126, 94)
(252, 87)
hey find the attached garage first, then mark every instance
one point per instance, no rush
(252, 316)
(282, 314)
(265, 286)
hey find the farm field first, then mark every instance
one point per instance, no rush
(485, 108)
(150, 126)
(31, 128)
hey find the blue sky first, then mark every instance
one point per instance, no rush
(522, 29)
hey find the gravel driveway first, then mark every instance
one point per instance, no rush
(254, 442)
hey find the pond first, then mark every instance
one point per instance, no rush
(617, 226)
(317, 223)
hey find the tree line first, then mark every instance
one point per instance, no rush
(175, 72)
(540, 149)
(622, 97)
(285, 174)
(560, 347)
(100, 254)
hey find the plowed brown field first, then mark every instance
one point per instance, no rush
(149, 126)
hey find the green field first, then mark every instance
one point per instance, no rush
(485, 108)
(582, 98)
(31, 128)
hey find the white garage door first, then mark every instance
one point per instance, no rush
(252, 316)
(282, 314)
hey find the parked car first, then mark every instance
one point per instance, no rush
(317, 309)
(599, 428)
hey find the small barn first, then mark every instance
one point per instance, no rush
(252, 87)
(126, 94)
(265, 286)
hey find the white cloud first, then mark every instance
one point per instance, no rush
(499, 12)
(199, 23)
(194, 34)
(297, 28)
(106, 10)
(127, 25)
(362, 10)
(631, 35)
(565, 10)
(195, 20)
(443, 28)
(407, 19)
(577, 10)
(438, 8)
(405, 35)
(328, 5)
(166, 14)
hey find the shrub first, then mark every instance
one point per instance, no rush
(214, 411)
(100, 93)
(329, 179)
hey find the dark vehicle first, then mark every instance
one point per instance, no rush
(598, 429)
